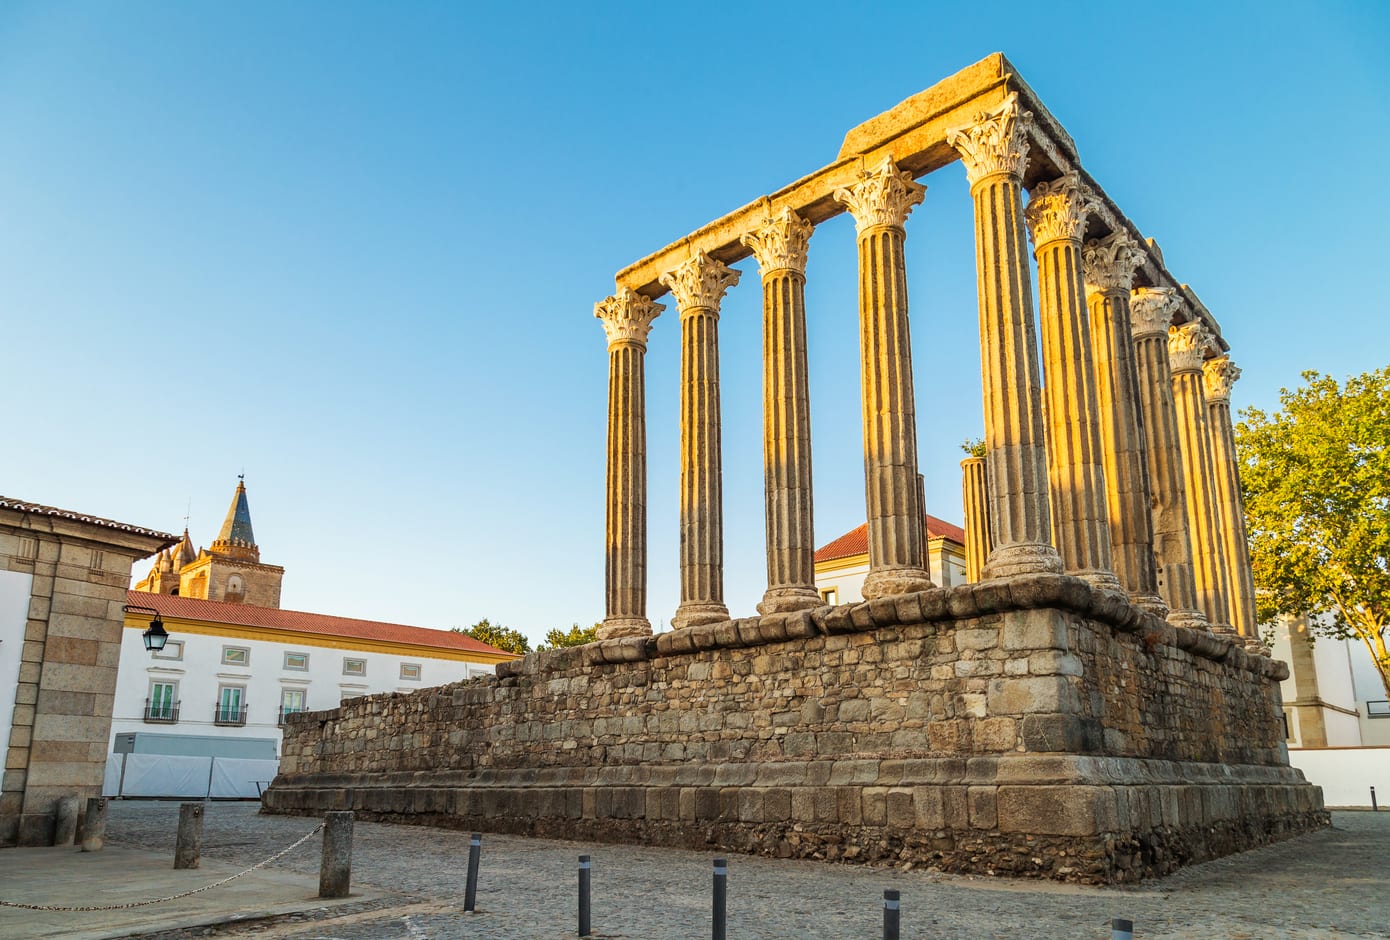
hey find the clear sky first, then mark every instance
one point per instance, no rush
(354, 248)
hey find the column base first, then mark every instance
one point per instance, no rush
(1189, 620)
(1226, 631)
(1102, 580)
(782, 599)
(1151, 603)
(615, 627)
(1022, 558)
(692, 613)
(885, 582)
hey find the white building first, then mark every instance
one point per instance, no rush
(1333, 696)
(843, 564)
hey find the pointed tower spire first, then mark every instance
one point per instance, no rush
(236, 540)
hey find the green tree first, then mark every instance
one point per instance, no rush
(1316, 480)
(504, 638)
(577, 636)
(973, 446)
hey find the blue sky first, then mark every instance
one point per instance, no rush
(353, 248)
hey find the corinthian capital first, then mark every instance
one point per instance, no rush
(1110, 262)
(1151, 310)
(1059, 209)
(627, 317)
(996, 143)
(883, 196)
(699, 283)
(780, 245)
(1218, 375)
(1187, 343)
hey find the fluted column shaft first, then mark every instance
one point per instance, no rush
(698, 285)
(627, 320)
(780, 247)
(880, 203)
(1185, 348)
(1151, 310)
(1109, 264)
(1057, 218)
(975, 496)
(994, 150)
(1219, 375)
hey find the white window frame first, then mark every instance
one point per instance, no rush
(227, 659)
(303, 668)
(173, 684)
(362, 664)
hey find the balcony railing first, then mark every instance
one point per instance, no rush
(289, 710)
(229, 716)
(161, 713)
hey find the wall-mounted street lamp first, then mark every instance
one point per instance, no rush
(156, 636)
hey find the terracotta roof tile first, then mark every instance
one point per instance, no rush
(38, 509)
(856, 541)
(247, 616)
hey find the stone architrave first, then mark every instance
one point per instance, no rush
(994, 150)
(1109, 264)
(1219, 375)
(698, 286)
(1151, 311)
(780, 247)
(1187, 346)
(627, 319)
(880, 203)
(975, 496)
(1056, 217)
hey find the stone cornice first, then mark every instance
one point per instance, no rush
(1110, 262)
(1151, 310)
(780, 245)
(996, 143)
(627, 317)
(699, 283)
(883, 197)
(1218, 375)
(1186, 345)
(1059, 209)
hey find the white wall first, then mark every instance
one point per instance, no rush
(14, 615)
(1346, 774)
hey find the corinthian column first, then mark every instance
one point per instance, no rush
(698, 286)
(780, 247)
(1219, 375)
(1056, 217)
(627, 319)
(1151, 310)
(995, 150)
(975, 495)
(1186, 345)
(1109, 264)
(880, 203)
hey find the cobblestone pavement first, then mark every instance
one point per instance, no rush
(1326, 885)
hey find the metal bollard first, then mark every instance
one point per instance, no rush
(584, 909)
(94, 825)
(1121, 929)
(188, 847)
(470, 894)
(335, 871)
(1374, 807)
(719, 919)
(65, 824)
(891, 914)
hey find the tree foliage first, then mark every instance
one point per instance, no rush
(577, 636)
(504, 638)
(1316, 481)
(973, 446)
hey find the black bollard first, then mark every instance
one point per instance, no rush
(584, 909)
(1374, 807)
(1121, 929)
(721, 898)
(891, 914)
(335, 870)
(470, 894)
(188, 846)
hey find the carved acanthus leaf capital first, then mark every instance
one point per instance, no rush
(627, 316)
(1151, 310)
(996, 143)
(1059, 209)
(884, 196)
(780, 245)
(1110, 262)
(1218, 375)
(1187, 344)
(699, 283)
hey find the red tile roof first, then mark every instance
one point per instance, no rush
(38, 509)
(856, 541)
(247, 616)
